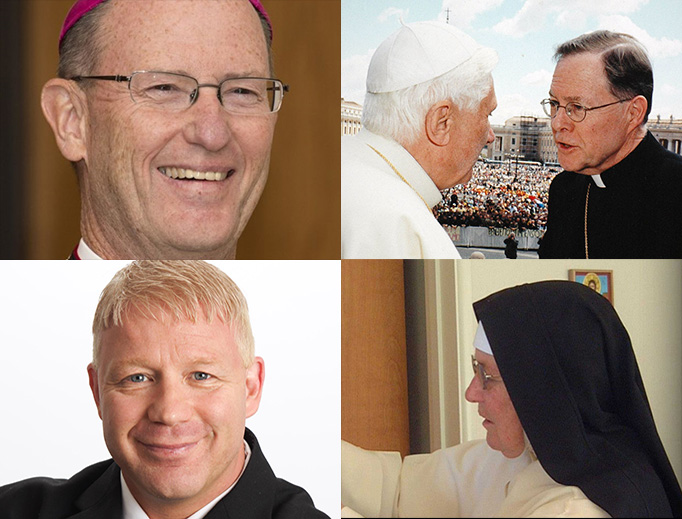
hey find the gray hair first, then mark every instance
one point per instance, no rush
(400, 115)
(81, 47)
(626, 64)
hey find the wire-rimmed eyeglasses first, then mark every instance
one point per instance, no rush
(171, 91)
(576, 112)
(479, 371)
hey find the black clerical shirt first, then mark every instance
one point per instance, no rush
(637, 215)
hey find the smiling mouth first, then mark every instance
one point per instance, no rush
(190, 174)
(169, 450)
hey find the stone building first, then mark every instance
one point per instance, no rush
(530, 139)
(351, 114)
(668, 132)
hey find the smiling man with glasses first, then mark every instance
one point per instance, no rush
(167, 111)
(619, 194)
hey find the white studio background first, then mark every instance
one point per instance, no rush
(50, 425)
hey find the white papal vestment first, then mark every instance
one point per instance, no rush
(382, 215)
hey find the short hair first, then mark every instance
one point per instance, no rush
(400, 115)
(626, 64)
(171, 291)
(81, 47)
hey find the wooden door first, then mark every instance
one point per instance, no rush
(374, 411)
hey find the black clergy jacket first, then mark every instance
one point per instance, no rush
(95, 493)
(637, 214)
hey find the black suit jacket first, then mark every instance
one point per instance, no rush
(95, 493)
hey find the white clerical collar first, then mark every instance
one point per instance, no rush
(133, 510)
(597, 180)
(86, 253)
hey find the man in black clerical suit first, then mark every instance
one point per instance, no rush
(620, 192)
(174, 376)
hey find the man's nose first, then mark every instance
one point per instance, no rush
(561, 121)
(209, 123)
(491, 135)
(171, 404)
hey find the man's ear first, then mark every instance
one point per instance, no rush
(255, 376)
(94, 387)
(439, 121)
(637, 110)
(64, 107)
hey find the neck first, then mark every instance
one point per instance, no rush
(632, 140)
(426, 159)
(113, 246)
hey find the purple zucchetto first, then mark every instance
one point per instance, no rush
(82, 7)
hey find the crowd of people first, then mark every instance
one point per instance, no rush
(499, 195)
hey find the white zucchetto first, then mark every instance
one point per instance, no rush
(417, 52)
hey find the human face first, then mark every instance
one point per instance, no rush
(173, 398)
(504, 430)
(130, 208)
(472, 133)
(602, 139)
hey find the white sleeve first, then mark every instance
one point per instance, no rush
(348, 512)
(369, 481)
(467, 480)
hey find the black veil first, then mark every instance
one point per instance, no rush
(568, 365)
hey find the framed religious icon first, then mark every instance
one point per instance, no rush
(601, 281)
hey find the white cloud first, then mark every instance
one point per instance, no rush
(571, 19)
(540, 78)
(592, 7)
(513, 105)
(666, 102)
(400, 14)
(463, 12)
(531, 17)
(568, 13)
(354, 76)
(670, 90)
(657, 47)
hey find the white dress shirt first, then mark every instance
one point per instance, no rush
(86, 253)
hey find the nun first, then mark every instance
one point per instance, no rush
(569, 429)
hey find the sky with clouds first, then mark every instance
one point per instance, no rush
(524, 33)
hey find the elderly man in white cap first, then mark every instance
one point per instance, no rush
(425, 120)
